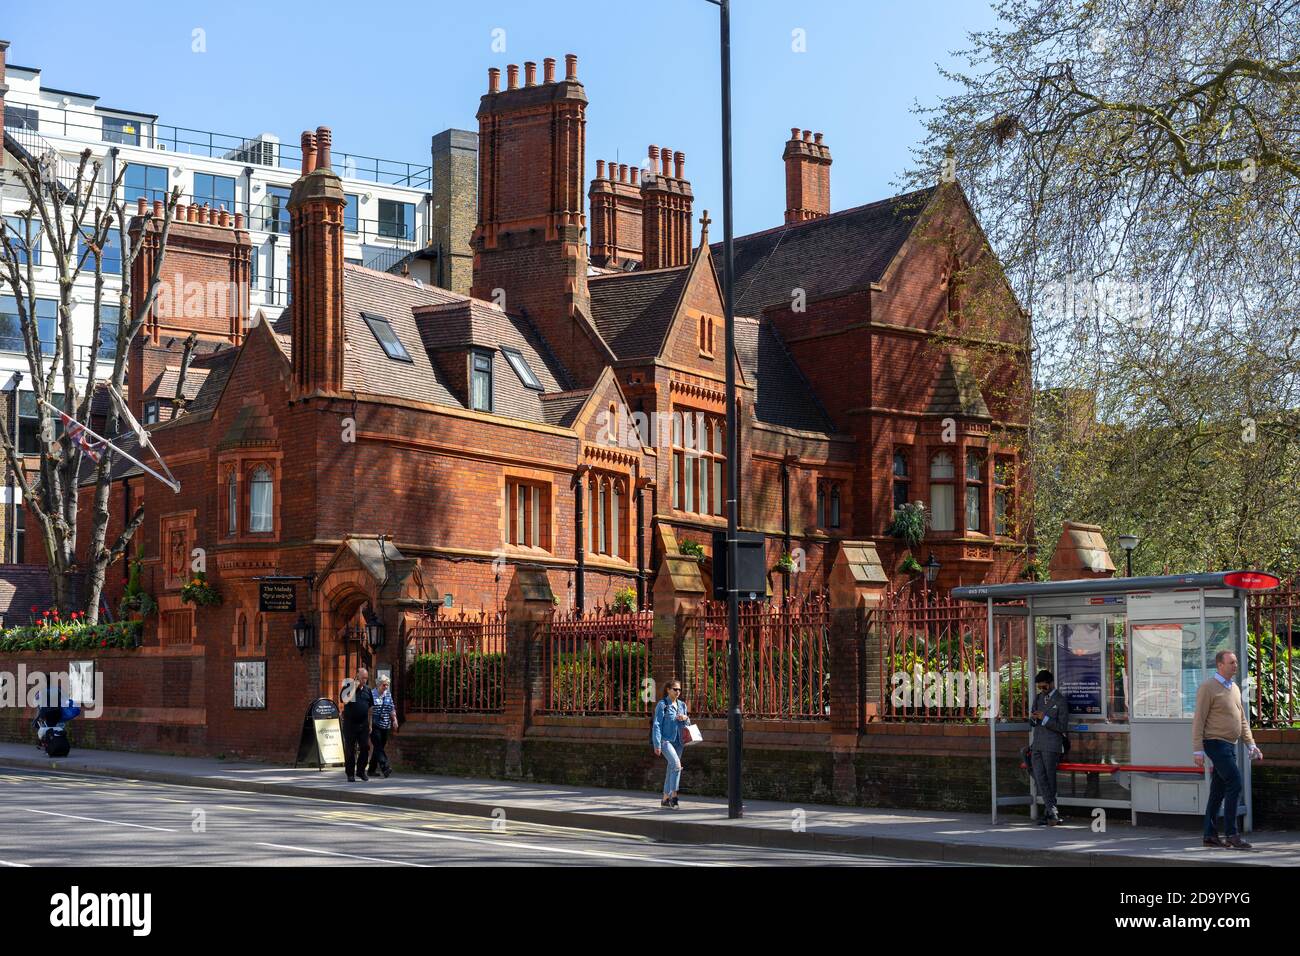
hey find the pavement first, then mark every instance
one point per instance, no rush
(913, 835)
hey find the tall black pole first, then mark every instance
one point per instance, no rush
(735, 723)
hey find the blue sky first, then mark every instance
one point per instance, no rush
(386, 76)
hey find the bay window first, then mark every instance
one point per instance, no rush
(699, 451)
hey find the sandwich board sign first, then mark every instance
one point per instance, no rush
(322, 736)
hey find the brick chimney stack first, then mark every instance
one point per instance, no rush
(807, 177)
(530, 244)
(666, 201)
(316, 206)
(202, 288)
(615, 216)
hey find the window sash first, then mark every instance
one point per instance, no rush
(941, 507)
(232, 504)
(260, 518)
(973, 507)
(1001, 500)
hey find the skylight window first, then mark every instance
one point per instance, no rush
(520, 365)
(387, 338)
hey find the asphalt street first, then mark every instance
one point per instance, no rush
(55, 819)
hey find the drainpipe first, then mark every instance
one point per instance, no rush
(640, 541)
(785, 522)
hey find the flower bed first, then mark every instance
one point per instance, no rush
(49, 632)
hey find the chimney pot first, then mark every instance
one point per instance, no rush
(548, 70)
(512, 76)
(308, 152)
(494, 80)
(323, 140)
(530, 73)
(571, 67)
(622, 173)
(807, 135)
(600, 169)
(665, 156)
(239, 220)
(817, 138)
(157, 209)
(636, 174)
(794, 132)
(139, 206)
(679, 161)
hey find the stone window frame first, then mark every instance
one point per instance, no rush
(1008, 487)
(980, 456)
(544, 482)
(684, 496)
(245, 462)
(707, 332)
(601, 487)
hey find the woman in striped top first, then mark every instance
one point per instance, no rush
(383, 722)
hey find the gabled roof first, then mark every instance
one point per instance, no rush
(165, 385)
(366, 368)
(782, 394)
(842, 252)
(956, 392)
(466, 324)
(633, 310)
(561, 408)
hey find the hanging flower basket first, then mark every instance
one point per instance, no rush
(199, 592)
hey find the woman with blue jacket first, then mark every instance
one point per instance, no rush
(666, 738)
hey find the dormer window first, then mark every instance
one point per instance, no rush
(480, 381)
(521, 367)
(386, 337)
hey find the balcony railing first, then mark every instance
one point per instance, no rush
(81, 354)
(252, 150)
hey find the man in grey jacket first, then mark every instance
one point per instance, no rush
(1050, 719)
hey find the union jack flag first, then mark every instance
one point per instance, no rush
(77, 432)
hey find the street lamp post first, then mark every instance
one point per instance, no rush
(1128, 542)
(735, 721)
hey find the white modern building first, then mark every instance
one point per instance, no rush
(398, 217)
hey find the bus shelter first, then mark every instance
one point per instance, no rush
(1129, 655)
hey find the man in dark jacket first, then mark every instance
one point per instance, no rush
(1050, 719)
(357, 700)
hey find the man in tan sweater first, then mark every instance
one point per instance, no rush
(1219, 723)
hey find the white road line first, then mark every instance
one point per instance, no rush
(7, 863)
(350, 856)
(138, 826)
(526, 846)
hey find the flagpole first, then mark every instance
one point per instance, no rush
(170, 482)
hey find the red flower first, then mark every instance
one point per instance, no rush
(34, 608)
(103, 643)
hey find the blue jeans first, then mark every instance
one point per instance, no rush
(673, 754)
(1225, 786)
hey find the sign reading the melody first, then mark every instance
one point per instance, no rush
(275, 595)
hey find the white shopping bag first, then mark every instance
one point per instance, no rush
(691, 734)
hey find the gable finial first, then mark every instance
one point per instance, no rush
(704, 228)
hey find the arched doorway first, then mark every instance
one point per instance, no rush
(343, 646)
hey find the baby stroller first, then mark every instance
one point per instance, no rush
(51, 728)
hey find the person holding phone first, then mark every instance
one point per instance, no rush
(666, 738)
(357, 699)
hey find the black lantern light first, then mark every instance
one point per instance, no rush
(304, 635)
(1128, 542)
(931, 566)
(374, 629)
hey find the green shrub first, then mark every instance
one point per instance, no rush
(601, 682)
(446, 680)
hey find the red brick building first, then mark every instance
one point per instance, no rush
(397, 443)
